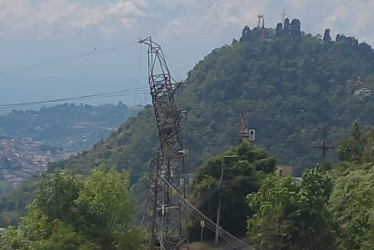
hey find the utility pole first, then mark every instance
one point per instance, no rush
(323, 147)
(219, 204)
(163, 214)
(219, 200)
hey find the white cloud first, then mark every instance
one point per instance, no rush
(351, 18)
(50, 18)
(128, 23)
(212, 18)
(123, 8)
(172, 4)
(188, 19)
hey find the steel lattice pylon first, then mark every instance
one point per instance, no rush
(163, 214)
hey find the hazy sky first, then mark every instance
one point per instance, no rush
(37, 31)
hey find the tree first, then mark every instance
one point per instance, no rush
(55, 196)
(243, 166)
(352, 207)
(72, 213)
(352, 149)
(295, 28)
(106, 211)
(286, 26)
(365, 50)
(349, 40)
(326, 36)
(246, 34)
(279, 29)
(287, 215)
(351, 202)
(39, 233)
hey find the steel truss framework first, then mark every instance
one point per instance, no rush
(163, 213)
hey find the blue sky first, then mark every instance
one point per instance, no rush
(36, 31)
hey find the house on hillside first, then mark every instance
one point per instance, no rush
(283, 170)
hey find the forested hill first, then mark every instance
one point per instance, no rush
(67, 126)
(295, 84)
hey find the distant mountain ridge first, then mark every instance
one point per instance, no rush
(68, 126)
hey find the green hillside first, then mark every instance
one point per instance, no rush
(295, 84)
(294, 87)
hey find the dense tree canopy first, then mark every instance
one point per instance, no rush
(73, 213)
(332, 210)
(353, 208)
(242, 167)
(326, 35)
(351, 202)
(288, 215)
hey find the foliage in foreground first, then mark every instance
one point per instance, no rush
(351, 203)
(288, 215)
(306, 216)
(73, 213)
(243, 167)
(352, 206)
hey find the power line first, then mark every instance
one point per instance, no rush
(323, 147)
(64, 59)
(125, 92)
(197, 214)
(69, 58)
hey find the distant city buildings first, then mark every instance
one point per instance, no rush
(62, 130)
(23, 158)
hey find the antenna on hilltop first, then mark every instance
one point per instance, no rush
(283, 15)
(261, 22)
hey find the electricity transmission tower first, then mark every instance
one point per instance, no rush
(163, 213)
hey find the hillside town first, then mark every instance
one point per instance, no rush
(23, 158)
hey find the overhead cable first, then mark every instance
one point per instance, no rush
(64, 59)
(125, 92)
